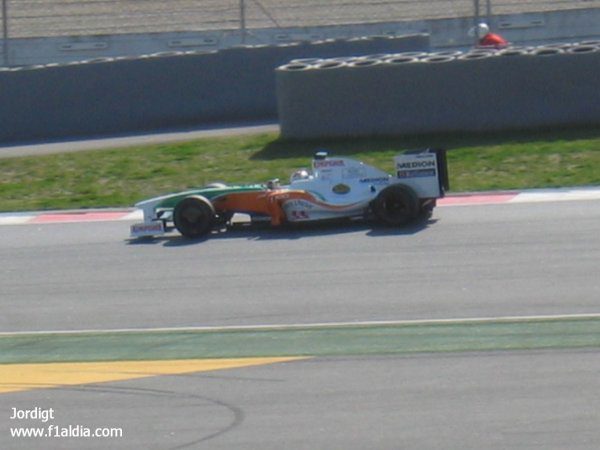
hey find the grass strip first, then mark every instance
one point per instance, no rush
(322, 341)
(121, 177)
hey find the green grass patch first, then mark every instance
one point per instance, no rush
(121, 177)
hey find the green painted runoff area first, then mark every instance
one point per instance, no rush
(459, 336)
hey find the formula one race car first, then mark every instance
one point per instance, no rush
(334, 188)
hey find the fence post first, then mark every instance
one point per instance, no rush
(476, 18)
(5, 33)
(243, 21)
(488, 11)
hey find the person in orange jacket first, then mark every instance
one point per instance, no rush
(486, 38)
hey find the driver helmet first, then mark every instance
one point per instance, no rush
(482, 29)
(300, 174)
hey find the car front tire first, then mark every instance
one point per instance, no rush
(194, 217)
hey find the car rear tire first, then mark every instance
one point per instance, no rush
(194, 217)
(426, 209)
(396, 205)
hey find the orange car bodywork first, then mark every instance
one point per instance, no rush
(264, 202)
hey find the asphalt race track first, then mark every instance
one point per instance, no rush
(469, 401)
(529, 259)
(480, 261)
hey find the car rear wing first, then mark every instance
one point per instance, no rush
(425, 171)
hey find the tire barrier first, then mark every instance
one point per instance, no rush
(168, 89)
(296, 66)
(448, 53)
(514, 88)
(97, 60)
(475, 55)
(329, 64)
(561, 46)
(583, 49)
(401, 60)
(27, 68)
(346, 59)
(307, 60)
(512, 52)
(409, 55)
(438, 59)
(365, 63)
(547, 51)
(376, 56)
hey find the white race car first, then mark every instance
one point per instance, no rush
(332, 188)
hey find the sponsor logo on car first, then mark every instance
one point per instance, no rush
(329, 163)
(145, 228)
(378, 180)
(421, 173)
(416, 164)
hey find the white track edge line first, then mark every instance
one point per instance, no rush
(320, 325)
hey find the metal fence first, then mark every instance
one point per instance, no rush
(45, 18)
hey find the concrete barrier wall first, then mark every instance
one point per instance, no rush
(530, 28)
(119, 95)
(443, 92)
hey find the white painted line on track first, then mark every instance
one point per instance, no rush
(15, 219)
(319, 325)
(556, 195)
